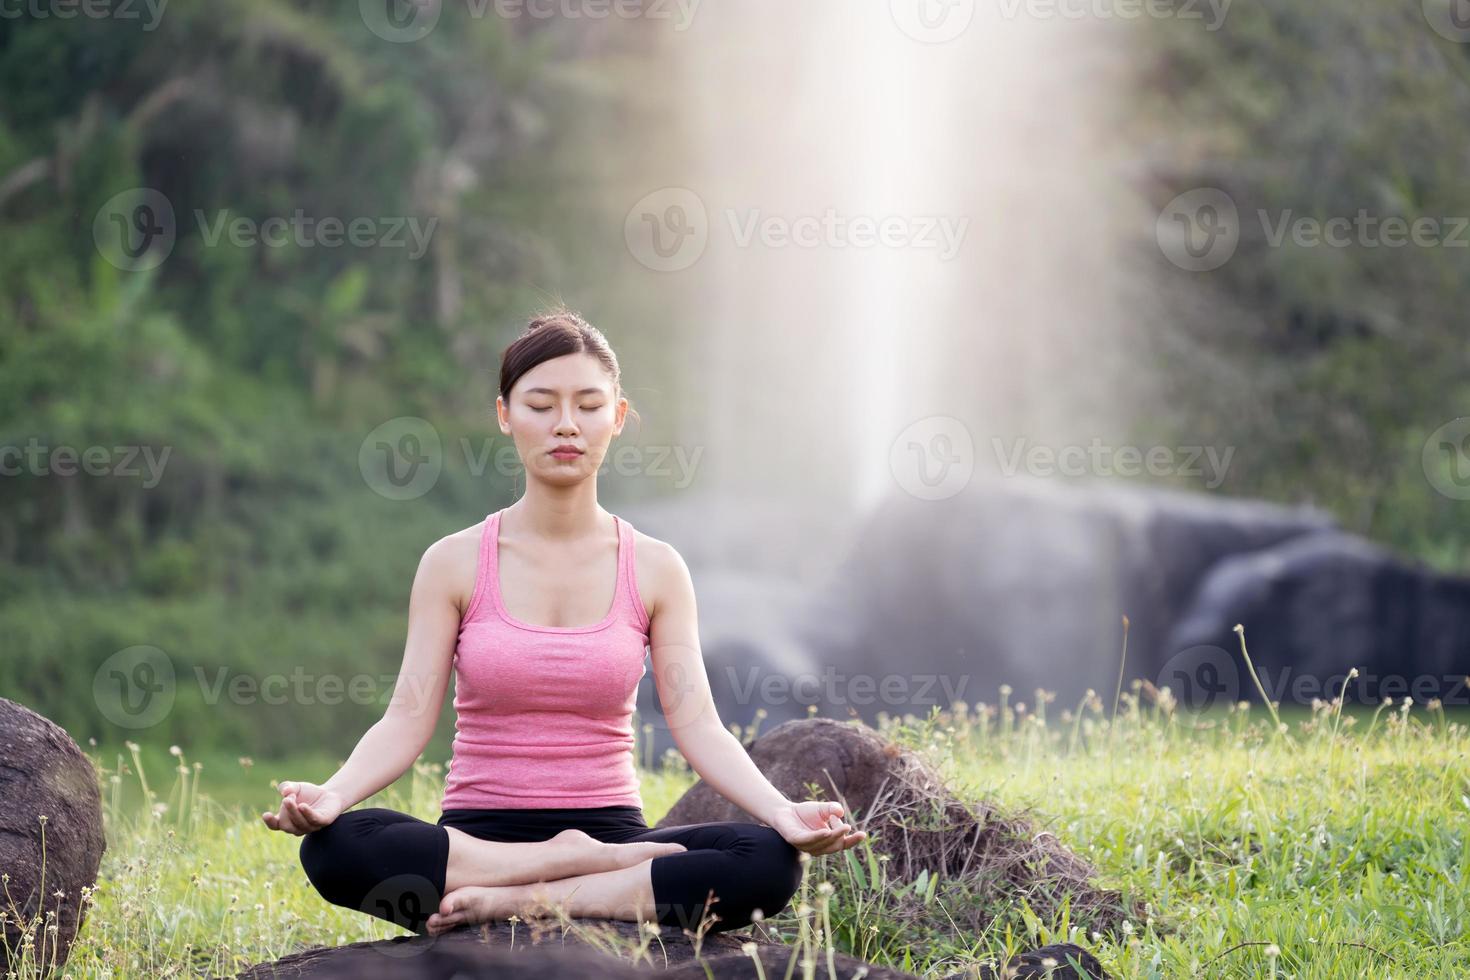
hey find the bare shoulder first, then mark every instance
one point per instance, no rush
(659, 569)
(451, 564)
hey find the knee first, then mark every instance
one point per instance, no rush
(778, 868)
(332, 858)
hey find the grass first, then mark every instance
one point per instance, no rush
(1335, 848)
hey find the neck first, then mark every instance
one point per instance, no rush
(557, 513)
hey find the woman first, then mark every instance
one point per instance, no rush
(541, 801)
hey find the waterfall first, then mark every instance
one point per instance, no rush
(909, 246)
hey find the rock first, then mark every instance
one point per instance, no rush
(49, 794)
(546, 954)
(406, 950)
(469, 959)
(1315, 607)
(914, 819)
(470, 954)
(1053, 962)
(1023, 582)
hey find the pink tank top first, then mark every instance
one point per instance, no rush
(545, 713)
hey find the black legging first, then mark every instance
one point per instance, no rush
(392, 865)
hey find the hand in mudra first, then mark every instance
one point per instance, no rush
(304, 807)
(816, 827)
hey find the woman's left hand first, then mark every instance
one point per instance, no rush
(816, 827)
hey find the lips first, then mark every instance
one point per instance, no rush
(566, 452)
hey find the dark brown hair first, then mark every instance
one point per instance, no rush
(554, 333)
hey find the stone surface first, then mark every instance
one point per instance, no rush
(43, 773)
(473, 954)
(487, 952)
(1316, 606)
(1053, 962)
(1023, 582)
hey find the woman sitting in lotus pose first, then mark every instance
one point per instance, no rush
(543, 611)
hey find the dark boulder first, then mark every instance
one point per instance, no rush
(1315, 607)
(1024, 582)
(1059, 961)
(547, 951)
(404, 952)
(51, 818)
(473, 954)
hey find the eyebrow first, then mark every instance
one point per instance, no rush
(552, 391)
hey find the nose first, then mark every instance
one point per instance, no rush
(566, 425)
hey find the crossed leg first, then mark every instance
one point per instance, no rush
(728, 868)
(626, 893)
(473, 861)
(397, 867)
(427, 878)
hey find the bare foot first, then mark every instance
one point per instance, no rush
(580, 854)
(472, 904)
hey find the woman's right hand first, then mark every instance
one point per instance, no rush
(304, 807)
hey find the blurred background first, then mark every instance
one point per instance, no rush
(958, 331)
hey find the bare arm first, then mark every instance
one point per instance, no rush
(694, 722)
(387, 750)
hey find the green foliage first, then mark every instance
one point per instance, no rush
(1326, 367)
(251, 373)
(1335, 849)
